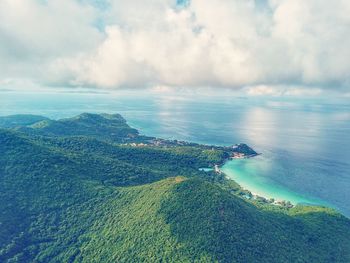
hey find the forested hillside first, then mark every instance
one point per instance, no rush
(91, 189)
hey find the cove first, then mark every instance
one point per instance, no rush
(247, 173)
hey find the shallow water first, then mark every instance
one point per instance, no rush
(247, 172)
(305, 144)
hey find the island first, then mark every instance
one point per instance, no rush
(90, 188)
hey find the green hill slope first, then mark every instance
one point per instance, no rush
(19, 120)
(112, 127)
(209, 219)
(80, 199)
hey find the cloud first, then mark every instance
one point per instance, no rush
(33, 34)
(269, 46)
(282, 90)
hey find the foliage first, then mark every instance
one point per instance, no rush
(19, 120)
(112, 127)
(84, 198)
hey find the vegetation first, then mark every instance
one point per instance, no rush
(85, 196)
(111, 127)
(20, 120)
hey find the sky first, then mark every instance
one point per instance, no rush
(270, 47)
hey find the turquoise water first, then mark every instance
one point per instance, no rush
(247, 172)
(206, 169)
(305, 143)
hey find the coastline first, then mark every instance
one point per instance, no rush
(263, 190)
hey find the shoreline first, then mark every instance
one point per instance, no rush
(251, 194)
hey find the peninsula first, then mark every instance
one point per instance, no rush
(92, 189)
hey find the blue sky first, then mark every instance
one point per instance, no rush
(270, 47)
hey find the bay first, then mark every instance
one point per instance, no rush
(305, 143)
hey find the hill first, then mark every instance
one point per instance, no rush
(20, 120)
(111, 127)
(70, 198)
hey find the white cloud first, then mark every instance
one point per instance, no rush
(51, 28)
(226, 43)
(282, 90)
(35, 33)
(316, 34)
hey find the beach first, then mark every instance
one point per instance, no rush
(246, 173)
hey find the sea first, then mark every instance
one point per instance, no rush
(304, 142)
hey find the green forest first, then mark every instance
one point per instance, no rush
(92, 189)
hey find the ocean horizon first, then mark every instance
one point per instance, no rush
(305, 144)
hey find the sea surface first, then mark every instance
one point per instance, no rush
(305, 143)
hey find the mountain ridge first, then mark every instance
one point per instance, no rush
(83, 199)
